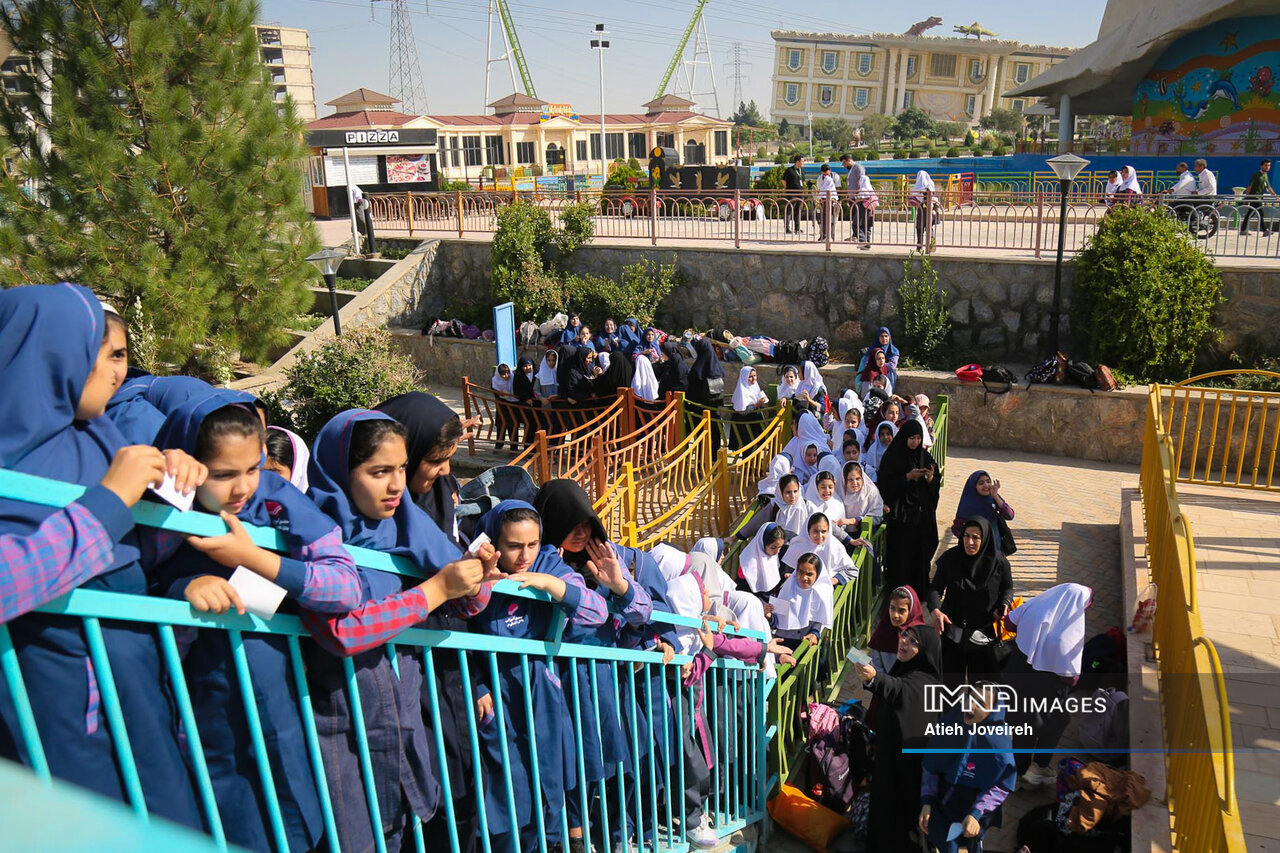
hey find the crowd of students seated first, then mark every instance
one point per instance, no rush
(380, 479)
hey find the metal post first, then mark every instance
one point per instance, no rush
(408, 202)
(1039, 219)
(653, 215)
(927, 213)
(1055, 314)
(1066, 125)
(368, 230)
(737, 219)
(828, 211)
(604, 171)
(459, 200)
(351, 206)
(331, 279)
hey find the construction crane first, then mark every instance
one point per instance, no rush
(686, 71)
(511, 51)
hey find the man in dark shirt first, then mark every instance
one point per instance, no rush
(1259, 187)
(793, 177)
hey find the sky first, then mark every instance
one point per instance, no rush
(349, 49)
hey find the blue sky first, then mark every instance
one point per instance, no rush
(350, 50)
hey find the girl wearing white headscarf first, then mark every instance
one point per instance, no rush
(778, 468)
(808, 431)
(544, 384)
(288, 458)
(834, 557)
(748, 612)
(923, 198)
(871, 459)
(748, 398)
(811, 389)
(1046, 663)
(504, 387)
(849, 402)
(865, 201)
(802, 611)
(864, 501)
(1109, 192)
(645, 381)
(789, 382)
(1129, 190)
(758, 563)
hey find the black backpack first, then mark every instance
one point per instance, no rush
(1082, 373)
(789, 352)
(997, 375)
(1043, 373)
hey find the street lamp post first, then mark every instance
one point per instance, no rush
(1066, 167)
(600, 44)
(326, 261)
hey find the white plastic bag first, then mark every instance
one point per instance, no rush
(1144, 612)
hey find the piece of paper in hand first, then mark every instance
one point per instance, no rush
(858, 656)
(480, 541)
(261, 597)
(169, 493)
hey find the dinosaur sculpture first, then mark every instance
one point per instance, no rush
(918, 28)
(975, 29)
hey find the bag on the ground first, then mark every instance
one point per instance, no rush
(1106, 730)
(1103, 380)
(470, 331)
(789, 352)
(528, 334)
(969, 373)
(1144, 611)
(1082, 373)
(1104, 654)
(436, 328)
(1043, 373)
(558, 323)
(837, 757)
(812, 823)
(994, 376)
(819, 353)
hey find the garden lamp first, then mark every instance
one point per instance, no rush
(326, 262)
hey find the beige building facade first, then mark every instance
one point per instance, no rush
(286, 53)
(529, 137)
(824, 75)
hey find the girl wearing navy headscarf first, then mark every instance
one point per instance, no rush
(706, 382)
(981, 498)
(358, 479)
(222, 430)
(59, 365)
(883, 341)
(629, 336)
(966, 777)
(136, 418)
(572, 526)
(515, 527)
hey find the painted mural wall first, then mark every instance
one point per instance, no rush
(1213, 91)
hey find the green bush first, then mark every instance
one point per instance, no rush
(925, 321)
(873, 155)
(1144, 294)
(998, 151)
(357, 370)
(989, 140)
(642, 288)
(935, 152)
(970, 139)
(901, 154)
(771, 180)
(527, 250)
(976, 151)
(953, 151)
(577, 227)
(623, 174)
(454, 186)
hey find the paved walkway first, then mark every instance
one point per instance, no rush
(1237, 540)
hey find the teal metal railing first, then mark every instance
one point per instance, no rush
(733, 697)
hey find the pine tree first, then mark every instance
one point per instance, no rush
(169, 179)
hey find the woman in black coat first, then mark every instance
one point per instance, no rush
(909, 483)
(580, 388)
(900, 723)
(706, 383)
(673, 373)
(972, 587)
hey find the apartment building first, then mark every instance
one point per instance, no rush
(823, 75)
(286, 53)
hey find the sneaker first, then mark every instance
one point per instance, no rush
(1037, 775)
(702, 836)
(578, 845)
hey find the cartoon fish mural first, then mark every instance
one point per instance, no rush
(1226, 90)
(1262, 81)
(1162, 86)
(1196, 109)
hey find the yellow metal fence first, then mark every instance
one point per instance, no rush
(1223, 436)
(1197, 726)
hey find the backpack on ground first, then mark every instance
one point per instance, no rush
(436, 328)
(994, 375)
(789, 352)
(1081, 373)
(819, 353)
(488, 489)
(1043, 373)
(1109, 729)
(529, 334)
(969, 373)
(1103, 379)
(837, 760)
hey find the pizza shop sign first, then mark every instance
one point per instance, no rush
(356, 138)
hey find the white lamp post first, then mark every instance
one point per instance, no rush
(600, 44)
(1066, 167)
(326, 262)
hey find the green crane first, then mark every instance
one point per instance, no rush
(514, 51)
(684, 42)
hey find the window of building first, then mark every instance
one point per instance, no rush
(861, 97)
(911, 66)
(614, 145)
(970, 104)
(1019, 105)
(471, 151)
(595, 146)
(942, 65)
(826, 94)
(829, 60)
(908, 99)
(864, 64)
(524, 152)
(722, 143)
(451, 152)
(637, 146)
(665, 139)
(794, 58)
(580, 149)
(1021, 72)
(494, 151)
(793, 93)
(975, 70)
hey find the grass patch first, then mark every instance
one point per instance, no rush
(354, 283)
